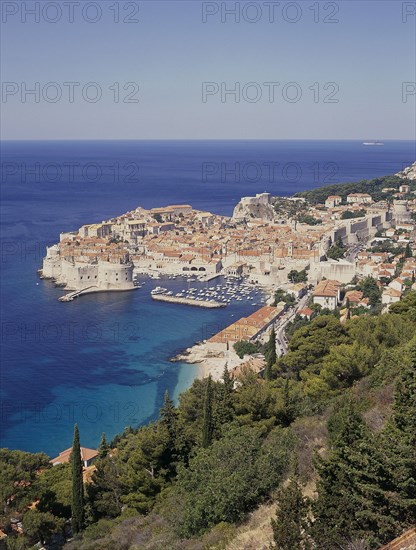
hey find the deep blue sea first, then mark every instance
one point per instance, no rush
(103, 360)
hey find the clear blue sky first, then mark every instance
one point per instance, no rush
(170, 52)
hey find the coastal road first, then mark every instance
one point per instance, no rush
(281, 343)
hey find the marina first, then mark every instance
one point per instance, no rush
(227, 291)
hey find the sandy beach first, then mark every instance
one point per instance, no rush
(208, 361)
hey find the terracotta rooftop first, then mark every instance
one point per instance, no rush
(64, 456)
(306, 311)
(247, 327)
(254, 364)
(354, 296)
(407, 541)
(327, 288)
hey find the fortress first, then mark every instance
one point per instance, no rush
(94, 276)
(255, 207)
(260, 198)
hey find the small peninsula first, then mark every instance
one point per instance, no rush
(264, 240)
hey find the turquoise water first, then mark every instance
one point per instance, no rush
(102, 361)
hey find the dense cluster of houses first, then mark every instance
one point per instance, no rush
(179, 240)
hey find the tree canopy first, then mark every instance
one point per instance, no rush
(341, 403)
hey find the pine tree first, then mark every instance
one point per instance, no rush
(77, 507)
(353, 488)
(103, 447)
(271, 356)
(208, 424)
(290, 526)
(399, 442)
(404, 408)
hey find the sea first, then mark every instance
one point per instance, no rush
(102, 361)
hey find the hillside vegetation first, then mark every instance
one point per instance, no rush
(372, 187)
(338, 414)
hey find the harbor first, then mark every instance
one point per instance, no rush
(227, 291)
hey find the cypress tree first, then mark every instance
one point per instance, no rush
(169, 419)
(208, 424)
(224, 411)
(271, 356)
(228, 381)
(290, 525)
(169, 416)
(287, 414)
(408, 251)
(103, 447)
(77, 507)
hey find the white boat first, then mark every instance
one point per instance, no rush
(158, 290)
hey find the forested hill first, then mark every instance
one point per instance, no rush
(372, 187)
(337, 415)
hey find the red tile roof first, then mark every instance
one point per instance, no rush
(407, 541)
(64, 456)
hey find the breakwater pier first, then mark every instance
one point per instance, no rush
(188, 301)
(71, 295)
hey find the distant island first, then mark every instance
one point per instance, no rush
(373, 143)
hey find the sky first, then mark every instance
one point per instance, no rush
(167, 69)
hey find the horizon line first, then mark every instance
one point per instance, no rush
(207, 139)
